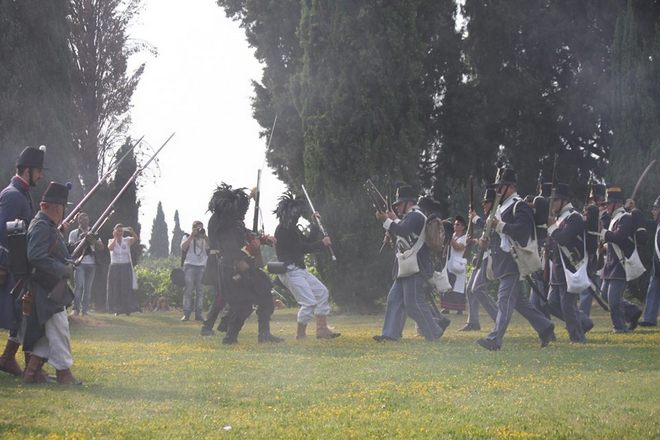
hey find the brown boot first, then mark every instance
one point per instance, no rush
(43, 376)
(322, 330)
(8, 362)
(33, 372)
(64, 377)
(300, 334)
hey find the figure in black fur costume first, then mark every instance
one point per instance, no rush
(242, 283)
(291, 247)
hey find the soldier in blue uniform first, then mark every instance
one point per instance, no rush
(476, 291)
(541, 206)
(567, 247)
(596, 217)
(619, 238)
(514, 222)
(653, 292)
(15, 203)
(46, 323)
(412, 269)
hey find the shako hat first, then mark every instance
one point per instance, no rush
(598, 192)
(56, 193)
(489, 196)
(31, 157)
(546, 189)
(615, 194)
(508, 177)
(560, 191)
(405, 193)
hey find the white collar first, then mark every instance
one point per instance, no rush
(508, 202)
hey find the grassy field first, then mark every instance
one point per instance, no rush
(151, 376)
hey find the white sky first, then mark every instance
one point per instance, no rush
(199, 86)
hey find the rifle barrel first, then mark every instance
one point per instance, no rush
(98, 184)
(103, 217)
(318, 222)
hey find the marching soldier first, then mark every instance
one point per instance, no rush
(619, 239)
(47, 336)
(476, 290)
(653, 292)
(541, 206)
(15, 204)
(513, 224)
(412, 269)
(568, 248)
(596, 217)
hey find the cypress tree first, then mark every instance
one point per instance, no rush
(159, 242)
(177, 236)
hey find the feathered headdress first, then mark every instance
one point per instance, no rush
(289, 208)
(229, 204)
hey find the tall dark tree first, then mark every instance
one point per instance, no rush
(36, 86)
(354, 87)
(636, 100)
(159, 241)
(104, 85)
(177, 236)
(536, 83)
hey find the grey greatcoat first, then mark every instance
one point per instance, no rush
(47, 254)
(15, 203)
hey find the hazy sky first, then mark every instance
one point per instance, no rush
(199, 86)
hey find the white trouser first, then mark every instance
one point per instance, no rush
(55, 345)
(310, 293)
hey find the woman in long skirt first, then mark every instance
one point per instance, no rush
(121, 297)
(455, 299)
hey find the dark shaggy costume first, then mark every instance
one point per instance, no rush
(241, 290)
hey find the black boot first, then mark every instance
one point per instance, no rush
(264, 332)
(223, 325)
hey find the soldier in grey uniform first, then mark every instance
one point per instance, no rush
(513, 222)
(476, 291)
(653, 292)
(47, 336)
(15, 204)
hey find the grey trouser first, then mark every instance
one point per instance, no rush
(559, 298)
(408, 296)
(476, 293)
(510, 299)
(621, 311)
(652, 300)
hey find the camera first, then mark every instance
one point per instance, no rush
(126, 230)
(201, 231)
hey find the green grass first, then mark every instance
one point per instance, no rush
(151, 376)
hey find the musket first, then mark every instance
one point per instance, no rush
(546, 247)
(255, 220)
(257, 194)
(98, 184)
(318, 222)
(104, 216)
(470, 207)
(639, 181)
(485, 234)
(380, 204)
